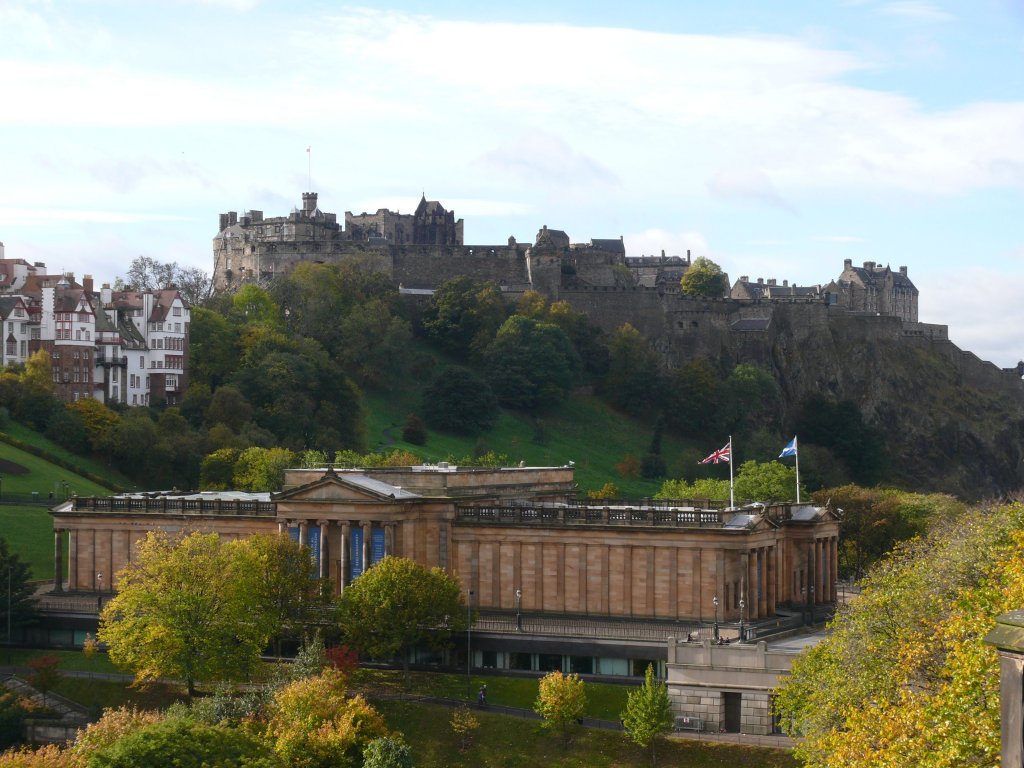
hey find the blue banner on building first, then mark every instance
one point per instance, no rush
(377, 546)
(293, 534)
(356, 550)
(313, 542)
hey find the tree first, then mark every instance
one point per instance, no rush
(459, 401)
(387, 752)
(530, 364)
(287, 586)
(766, 481)
(22, 603)
(217, 470)
(704, 279)
(398, 604)
(464, 725)
(648, 712)
(262, 469)
(904, 676)
(212, 347)
(692, 397)
(186, 609)
(313, 724)
(561, 700)
(414, 430)
(840, 427)
(45, 673)
(633, 381)
(749, 398)
(228, 406)
(185, 743)
(465, 315)
(147, 274)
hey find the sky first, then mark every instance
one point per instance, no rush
(777, 139)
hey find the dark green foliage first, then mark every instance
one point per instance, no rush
(353, 313)
(387, 752)
(530, 364)
(465, 315)
(185, 743)
(12, 716)
(212, 347)
(300, 395)
(17, 573)
(691, 397)
(652, 466)
(414, 431)
(67, 429)
(705, 279)
(840, 427)
(633, 381)
(749, 399)
(228, 406)
(459, 401)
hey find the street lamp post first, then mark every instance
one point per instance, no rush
(743, 604)
(812, 604)
(714, 601)
(519, 616)
(469, 647)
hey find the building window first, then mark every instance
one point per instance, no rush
(176, 311)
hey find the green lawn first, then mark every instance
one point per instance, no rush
(44, 477)
(23, 433)
(519, 743)
(552, 439)
(29, 533)
(605, 701)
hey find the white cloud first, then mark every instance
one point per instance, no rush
(747, 184)
(651, 242)
(539, 157)
(31, 216)
(964, 300)
(916, 10)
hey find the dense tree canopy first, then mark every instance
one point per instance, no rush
(465, 315)
(633, 380)
(459, 401)
(704, 278)
(530, 364)
(397, 604)
(904, 677)
(648, 712)
(187, 609)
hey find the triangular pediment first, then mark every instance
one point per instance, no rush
(340, 488)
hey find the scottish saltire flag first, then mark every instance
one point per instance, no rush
(789, 450)
(721, 454)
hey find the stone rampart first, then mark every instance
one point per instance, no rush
(429, 266)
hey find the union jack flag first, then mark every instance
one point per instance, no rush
(722, 454)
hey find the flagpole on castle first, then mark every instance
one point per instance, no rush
(732, 499)
(797, 456)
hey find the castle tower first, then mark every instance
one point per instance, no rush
(308, 203)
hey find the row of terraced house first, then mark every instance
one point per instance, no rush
(127, 347)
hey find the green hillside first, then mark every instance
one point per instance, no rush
(584, 430)
(28, 528)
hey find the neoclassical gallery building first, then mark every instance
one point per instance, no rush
(542, 567)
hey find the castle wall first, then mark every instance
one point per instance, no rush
(429, 266)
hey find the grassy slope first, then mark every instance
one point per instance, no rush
(23, 433)
(519, 743)
(29, 529)
(584, 429)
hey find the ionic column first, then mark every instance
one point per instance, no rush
(762, 582)
(72, 560)
(389, 539)
(282, 527)
(367, 537)
(750, 587)
(343, 564)
(325, 564)
(770, 574)
(303, 534)
(58, 561)
(834, 547)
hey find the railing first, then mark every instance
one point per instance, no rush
(164, 504)
(569, 626)
(573, 515)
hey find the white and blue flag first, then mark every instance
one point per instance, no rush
(789, 450)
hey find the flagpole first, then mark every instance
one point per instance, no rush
(732, 500)
(797, 455)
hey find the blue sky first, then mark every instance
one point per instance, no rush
(777, 139)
